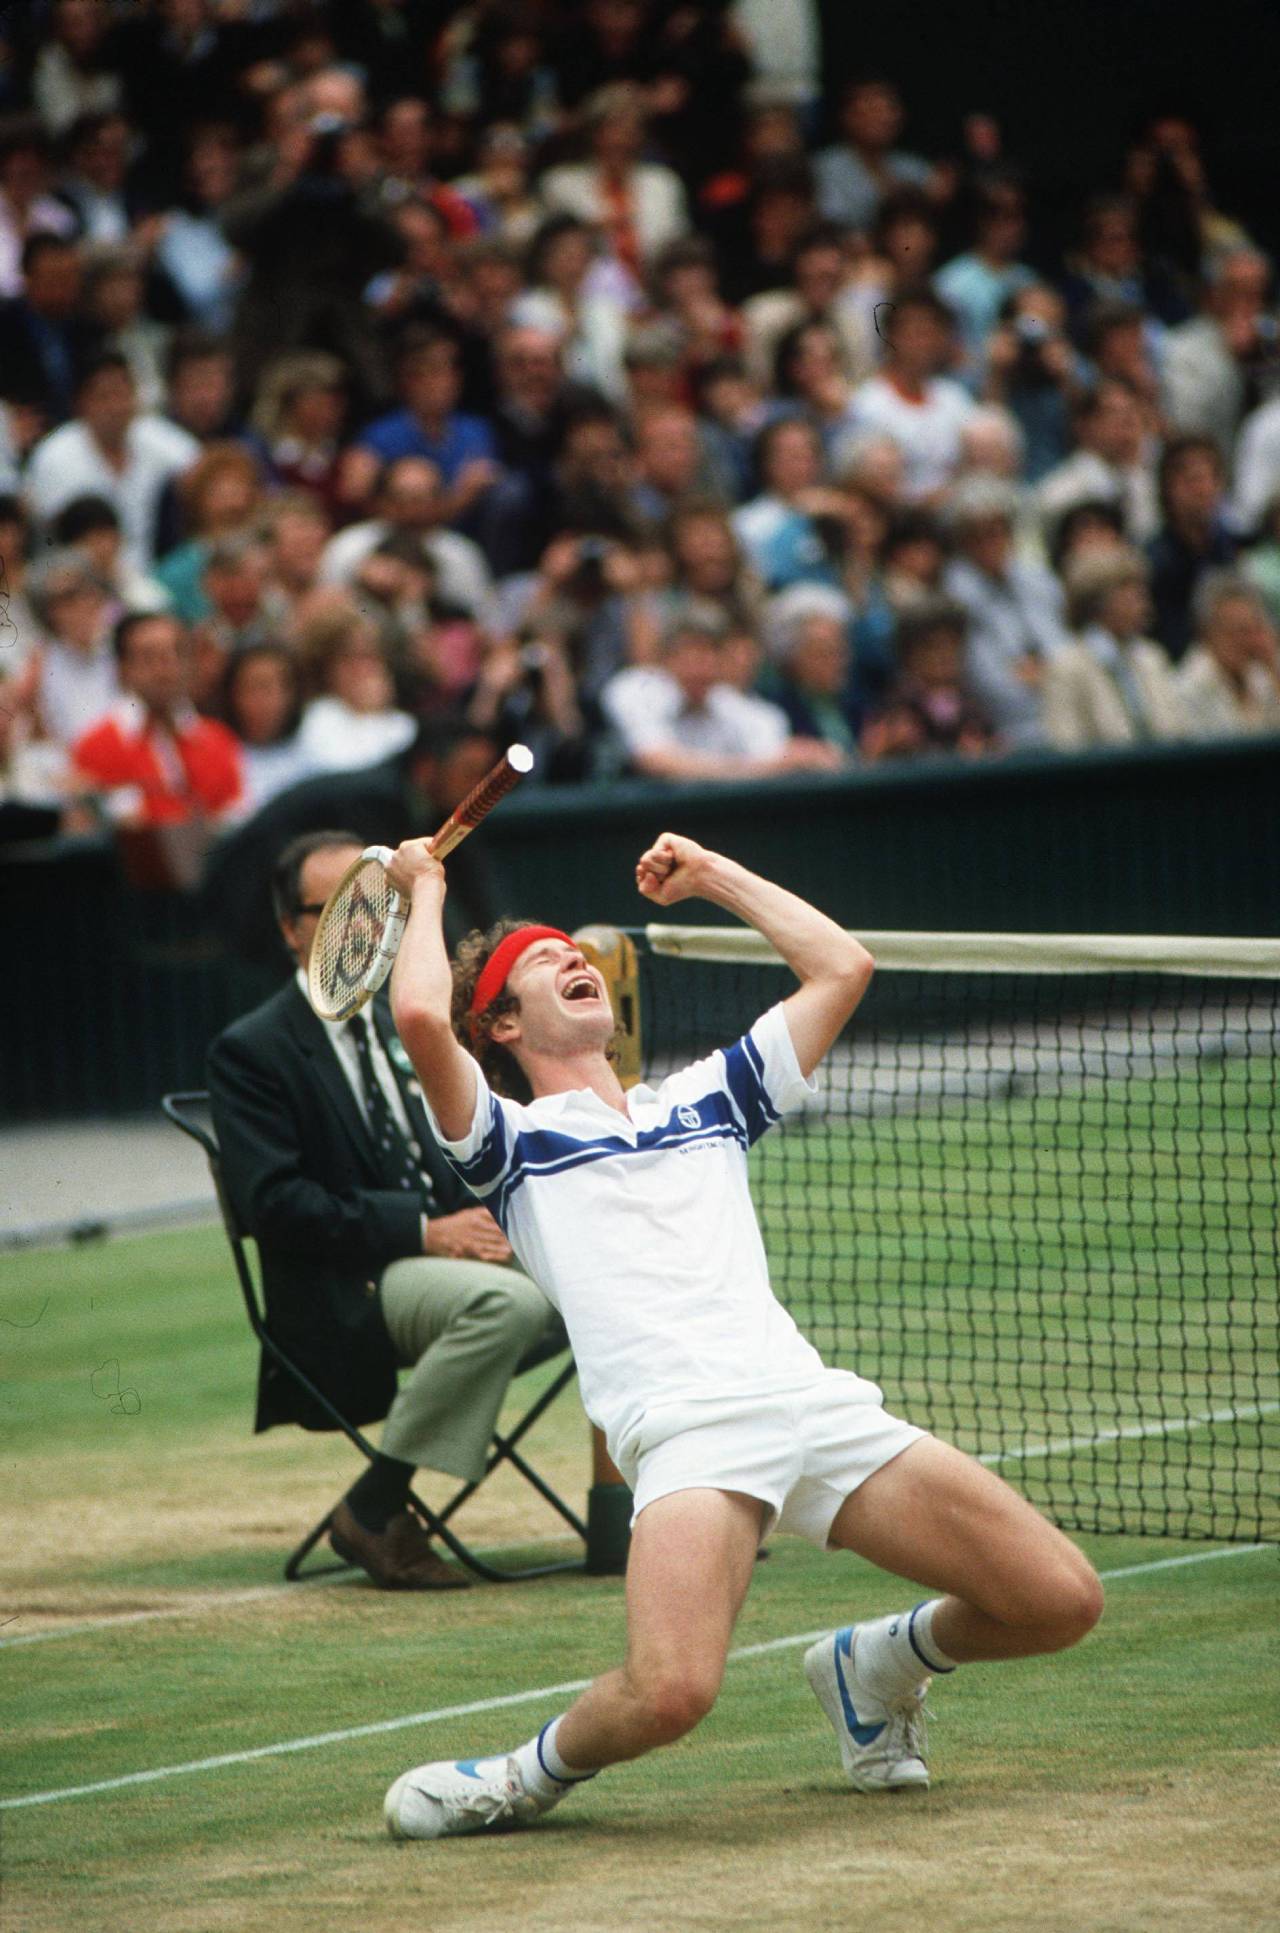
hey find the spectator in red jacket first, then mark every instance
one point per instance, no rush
(152, 755)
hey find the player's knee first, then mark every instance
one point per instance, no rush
(677, 1701)
(1072, 1604)
(1080, 1604)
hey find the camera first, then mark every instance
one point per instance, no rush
(326, 131)
(1032, 335)
(588, 575)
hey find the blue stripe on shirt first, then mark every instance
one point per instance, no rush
(577, 1154)
(502, 1163)
(485, 1167)
(744, 1074)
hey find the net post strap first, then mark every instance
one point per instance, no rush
(1211, 958)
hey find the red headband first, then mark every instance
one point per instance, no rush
(498, 966)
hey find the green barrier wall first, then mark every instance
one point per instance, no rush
(112, 996)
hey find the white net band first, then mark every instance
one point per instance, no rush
(1243, 959)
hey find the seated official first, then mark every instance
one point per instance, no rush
(373, 1255)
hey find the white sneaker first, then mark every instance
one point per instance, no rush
(454, 1796)
(882, 1746)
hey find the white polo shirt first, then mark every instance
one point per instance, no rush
(641, 1229)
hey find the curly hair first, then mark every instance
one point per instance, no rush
(498, 1064)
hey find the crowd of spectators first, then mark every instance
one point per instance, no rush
(558, 369)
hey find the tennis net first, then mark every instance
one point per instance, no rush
(1036, 1198)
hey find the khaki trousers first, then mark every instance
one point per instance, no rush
(462, 1327)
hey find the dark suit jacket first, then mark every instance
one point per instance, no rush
(300, 1171)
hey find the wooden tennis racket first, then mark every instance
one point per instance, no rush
(363, 922)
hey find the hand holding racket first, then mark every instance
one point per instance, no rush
(359, 932)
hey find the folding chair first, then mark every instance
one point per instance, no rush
(178, 1109)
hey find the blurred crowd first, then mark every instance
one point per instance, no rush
(601, 375)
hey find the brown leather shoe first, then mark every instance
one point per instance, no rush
(398, 1558)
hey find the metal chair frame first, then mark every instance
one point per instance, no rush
(505, 1448)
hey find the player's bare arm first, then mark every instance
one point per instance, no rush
(422, 988)
(833, 969)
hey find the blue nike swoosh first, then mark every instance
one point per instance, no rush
(863, 1734)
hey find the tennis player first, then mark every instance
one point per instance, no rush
(632, 1213)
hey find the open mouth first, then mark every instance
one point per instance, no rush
(580, 987)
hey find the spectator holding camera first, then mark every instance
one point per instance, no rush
(1033, 371)
(526, 692)
(312, 236)
(931, 709)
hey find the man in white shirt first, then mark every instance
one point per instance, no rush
(922, 411)
(109, 450)
(633, 1213)
(680, 719)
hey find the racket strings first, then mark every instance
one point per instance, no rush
(347, 940)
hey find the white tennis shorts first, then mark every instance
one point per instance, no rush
(801, 1453)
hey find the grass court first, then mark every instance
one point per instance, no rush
(1126, 1785)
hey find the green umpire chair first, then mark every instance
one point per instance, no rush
(189, 1111)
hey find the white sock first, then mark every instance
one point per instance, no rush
(542, 1770)
(893, 1654)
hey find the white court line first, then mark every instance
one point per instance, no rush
(214, 1601)
(287, 1746)
(1130, 1432)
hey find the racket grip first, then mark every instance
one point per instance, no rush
(388, 946)
(515, 764)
